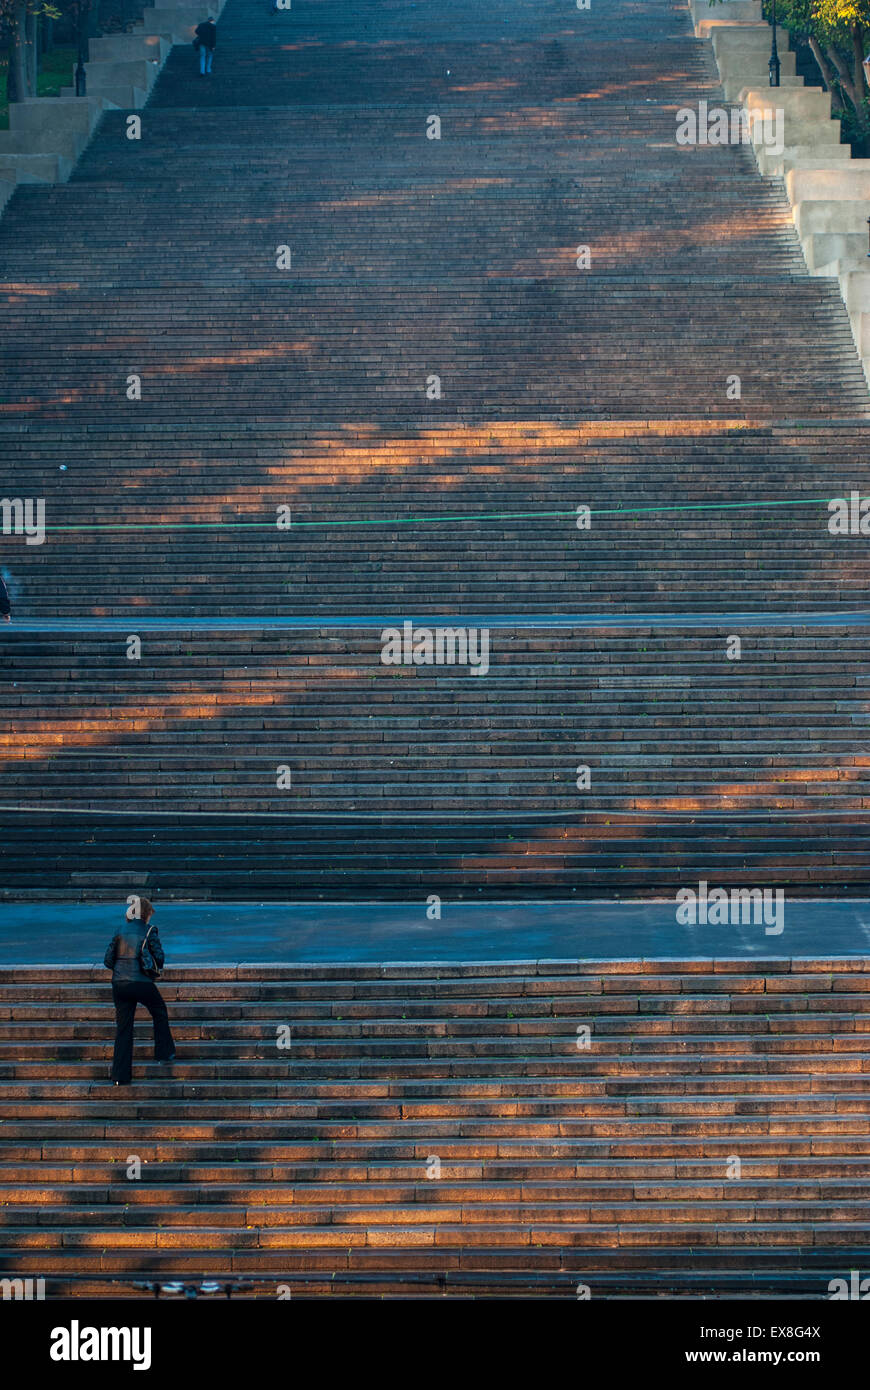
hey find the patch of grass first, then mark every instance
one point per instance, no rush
(56, 70)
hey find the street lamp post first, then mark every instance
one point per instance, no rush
(774, 64)
(81, 75)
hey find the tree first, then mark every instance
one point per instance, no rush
(19, 20)
(15, 28)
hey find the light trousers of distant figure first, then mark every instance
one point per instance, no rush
(205, 59)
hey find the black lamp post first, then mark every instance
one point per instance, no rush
(81, 75)
(774, 64)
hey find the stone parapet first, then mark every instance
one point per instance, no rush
(828, 190)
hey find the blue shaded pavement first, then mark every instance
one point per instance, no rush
(226, 933)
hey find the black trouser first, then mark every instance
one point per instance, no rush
(127, 994)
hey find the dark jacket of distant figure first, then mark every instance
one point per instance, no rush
(207, 35)
(122, 956)
(5, 605)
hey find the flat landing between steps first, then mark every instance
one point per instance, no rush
(523, 620)
(226, 934)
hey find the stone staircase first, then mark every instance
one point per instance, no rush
(430, 519)
(47, 135)
(431, 1129)
(445, 1130)
(164, 774)
(195, 391)
(827, 188)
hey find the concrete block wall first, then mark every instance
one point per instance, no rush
(47, 135)
(829, 190)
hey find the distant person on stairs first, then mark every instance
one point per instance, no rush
(133, 972)
(205, 42)
(5, 605)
